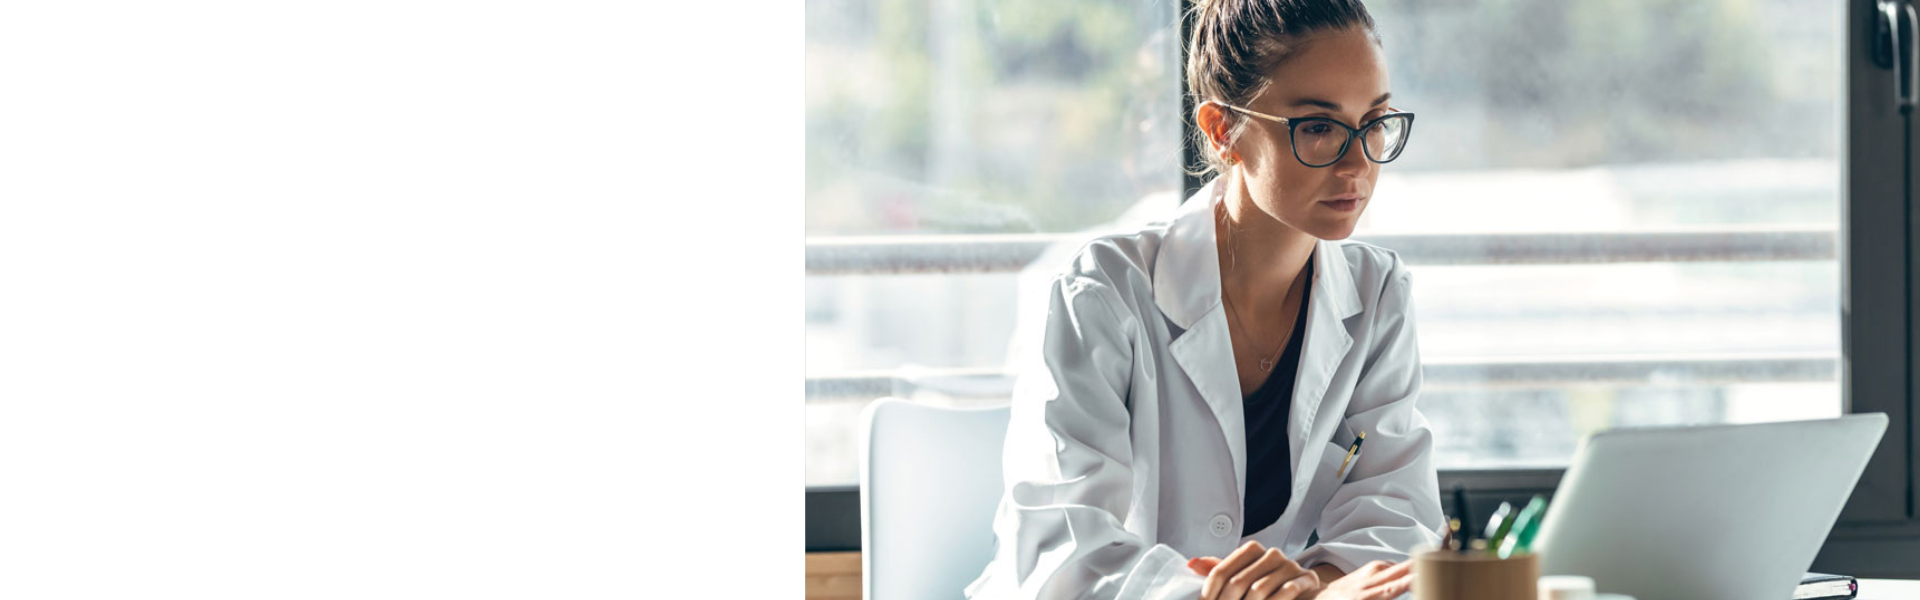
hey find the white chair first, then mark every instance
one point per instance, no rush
(929, 485)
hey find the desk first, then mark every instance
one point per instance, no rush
(1889, 589)
(833, 576)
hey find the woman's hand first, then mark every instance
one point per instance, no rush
(1377, 580)
(1254, 573)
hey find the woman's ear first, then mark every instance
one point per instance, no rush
(1211, 116)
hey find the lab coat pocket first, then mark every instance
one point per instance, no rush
(1327, 478)
(1343, 439)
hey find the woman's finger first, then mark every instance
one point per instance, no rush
(1203, 565)
(1372, 566)
(1237, 584)
(1387, 588)
(1273, 587)
(1271, 564)
(1239, 559)
(1394, 572)
(1382, 580)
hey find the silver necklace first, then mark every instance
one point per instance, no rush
(1266, 362)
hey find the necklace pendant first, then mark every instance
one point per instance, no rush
(1266, 364)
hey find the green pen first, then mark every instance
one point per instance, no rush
(1524, 528)
(1497, 526)
(1527, 537)
(1506, 528)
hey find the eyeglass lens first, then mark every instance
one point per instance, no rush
(1321, 142)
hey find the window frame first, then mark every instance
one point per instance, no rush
(1878, 526)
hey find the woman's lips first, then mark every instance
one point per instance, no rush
(1342, 205)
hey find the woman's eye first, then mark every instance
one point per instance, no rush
(1317, 128)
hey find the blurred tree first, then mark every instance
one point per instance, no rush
(949, 116)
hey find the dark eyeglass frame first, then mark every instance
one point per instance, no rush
(1365, 150)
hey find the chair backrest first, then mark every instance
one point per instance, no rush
(929, 485)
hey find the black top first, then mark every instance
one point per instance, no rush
(1269, 461)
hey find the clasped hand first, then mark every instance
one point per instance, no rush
(1252, 572)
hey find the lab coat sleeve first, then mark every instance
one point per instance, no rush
(1067, 466)
(1390, 502)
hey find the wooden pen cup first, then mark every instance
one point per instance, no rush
(1447, 575)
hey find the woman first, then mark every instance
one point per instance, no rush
(1192, 417)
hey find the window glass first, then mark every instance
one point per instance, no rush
(969, 118)
(1582, 119)
(1617, 213)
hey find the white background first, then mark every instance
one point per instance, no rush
(388, 299)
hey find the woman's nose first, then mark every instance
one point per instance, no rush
(1354, 163)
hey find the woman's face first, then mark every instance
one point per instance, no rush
(1339, 75)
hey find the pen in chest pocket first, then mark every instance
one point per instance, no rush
(1355, 449)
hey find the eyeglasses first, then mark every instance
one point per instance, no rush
(1318, 142)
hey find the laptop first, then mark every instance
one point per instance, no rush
(1718, 512)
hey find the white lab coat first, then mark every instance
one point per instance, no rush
(1126, 449)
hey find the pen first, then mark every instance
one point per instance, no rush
(1460, 514)
(1501, 524)
(1350, 452)
(1527, 526)
(1493, 524)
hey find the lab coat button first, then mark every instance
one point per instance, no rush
(1222, 525)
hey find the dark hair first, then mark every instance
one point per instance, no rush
(1236, 43)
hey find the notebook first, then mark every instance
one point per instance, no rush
(1821, 586)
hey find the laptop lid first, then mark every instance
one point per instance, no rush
(1717, 512)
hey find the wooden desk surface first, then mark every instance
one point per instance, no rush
(836, 576)
(833, 576)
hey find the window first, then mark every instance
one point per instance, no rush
(948, 145)
(1617, 213)
(1623, 213)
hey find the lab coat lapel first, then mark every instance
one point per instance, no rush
(1335, 299)
(1186, 286)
